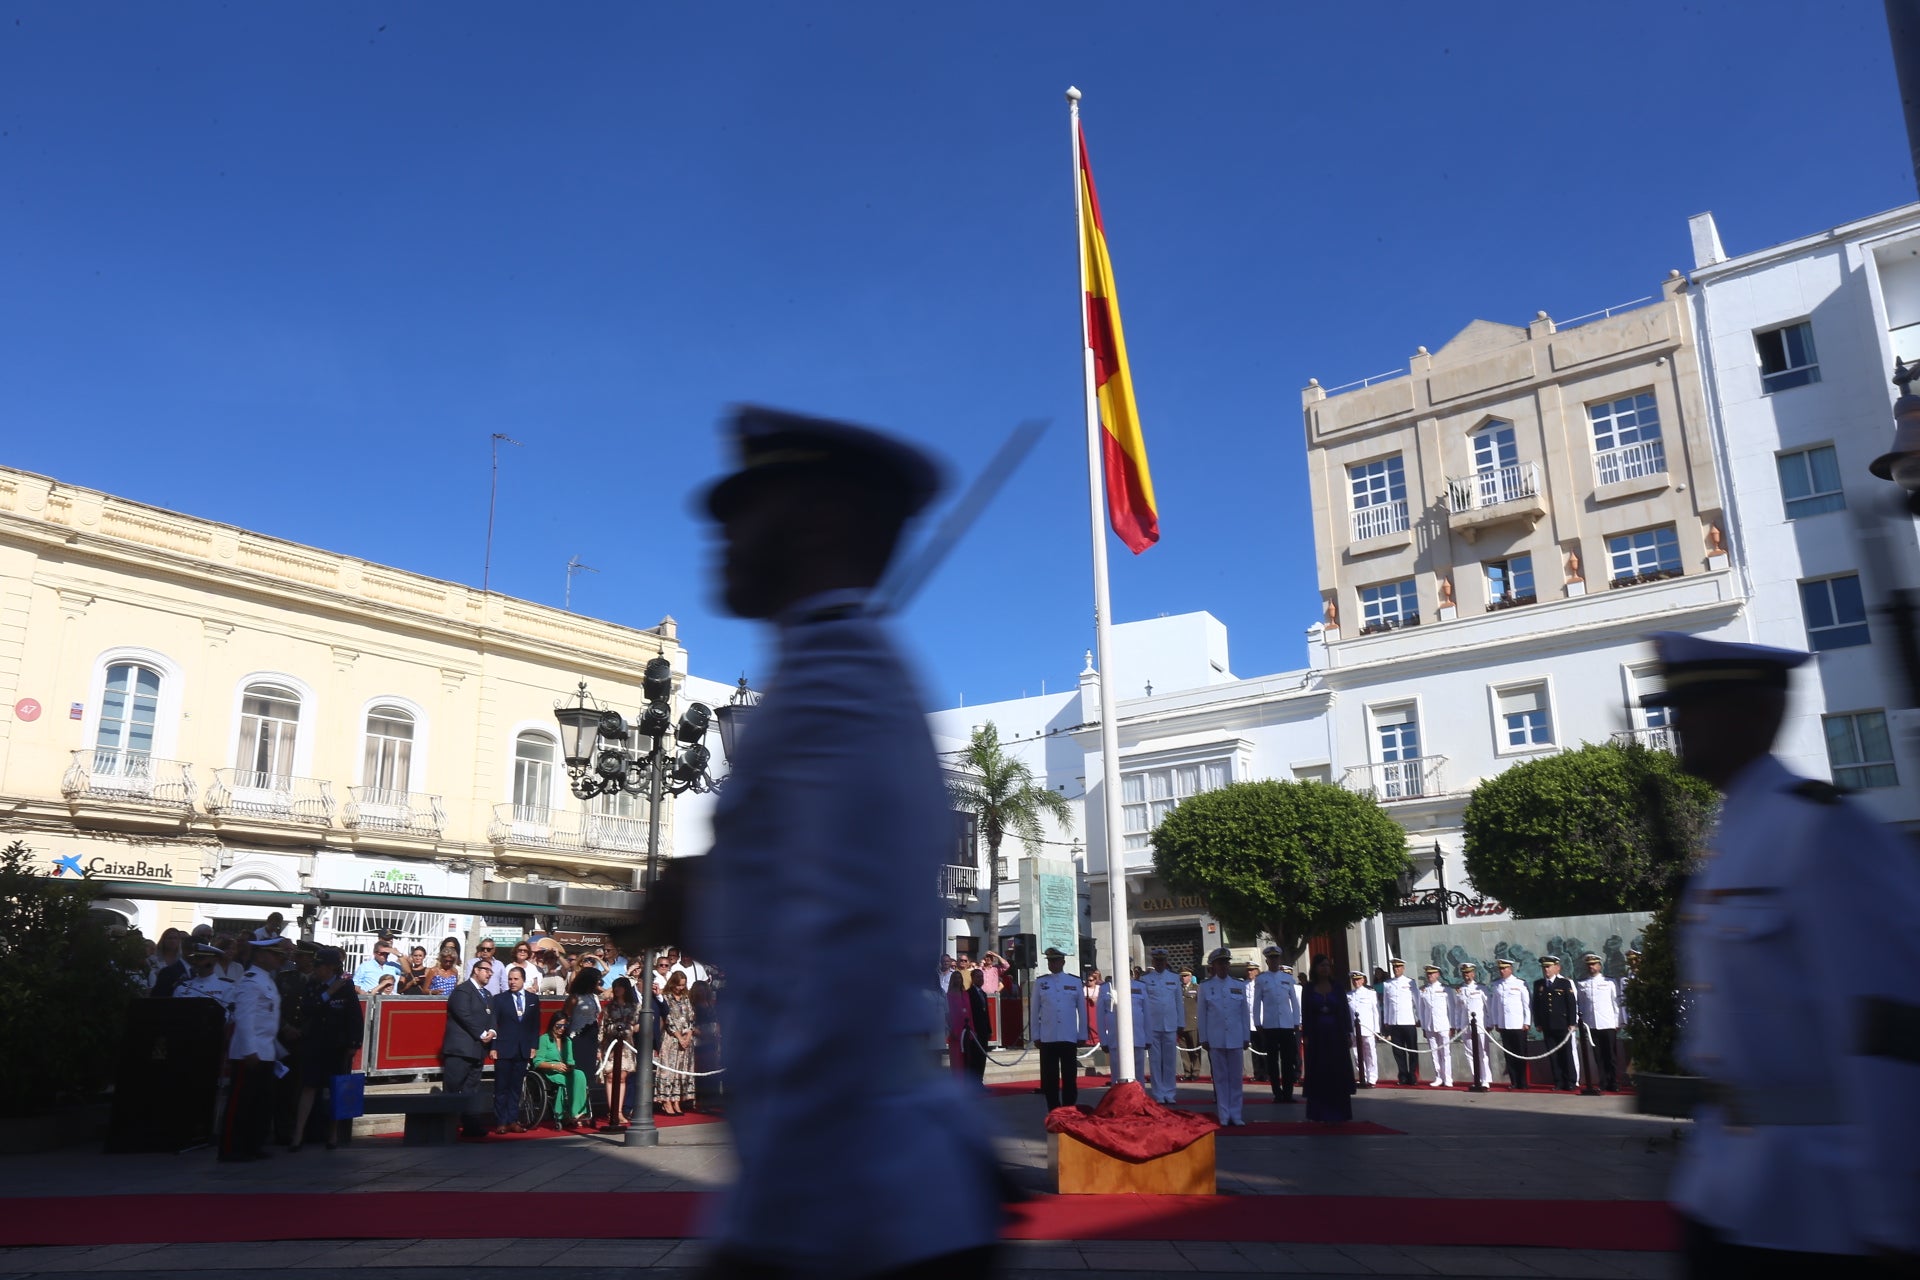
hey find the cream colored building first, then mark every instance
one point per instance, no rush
(1515, 466)
(205, 710)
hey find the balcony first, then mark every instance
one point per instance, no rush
(405, 813)
(1630, 462)
(567, 831)
(249, 794)
(1394, 780)
(1380, 521)
(1659, 737)
(109, 776)
(1643, 578)
(1383, 625)
(1495, 496)
(958, 884)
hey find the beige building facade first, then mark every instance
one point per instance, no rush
(1515, 465)
(193, 707)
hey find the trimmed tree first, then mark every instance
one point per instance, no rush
(1292, 860)
(65, 983)
(1605, 828)
(1002, 795)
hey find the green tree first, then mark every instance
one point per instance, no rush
(1604, 828)
(1290, 859)
(1001, 794)
(1653, 999)
(65, 982)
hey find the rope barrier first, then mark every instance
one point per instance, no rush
(1539, 1057)
(1024, 1053)
(673, 1071)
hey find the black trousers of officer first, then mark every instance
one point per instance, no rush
(1514, 1041)
(462, 1075)
(249, 1118)
(1282, 1047)
(1059, 1072)
(1406, 1052)
(1606, 1047)
(1565, 1074)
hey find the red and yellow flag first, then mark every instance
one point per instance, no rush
(1130, 503)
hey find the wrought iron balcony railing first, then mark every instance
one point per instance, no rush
(133, 777)
(1380, 520)
(1493, 487)
(1393, 780)
(411, 813)
(1630, 462)
(569, 830)
(958, 883)
(1659, 737)
(279, 797)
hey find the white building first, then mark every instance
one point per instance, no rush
(1800, 340)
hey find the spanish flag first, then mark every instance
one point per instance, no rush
(1130, 503)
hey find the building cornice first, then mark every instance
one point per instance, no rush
(1865, 228)
(63, 523)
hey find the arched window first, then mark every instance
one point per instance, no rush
(388, 767)
(533, 755)
(129, 705)
(269, 723)
(1494, 448)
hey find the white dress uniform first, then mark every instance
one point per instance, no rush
(1222, 1027)
(1059, 1008)
(1601, 1004)
(1166, 1013)
(1435, 1005)
(255, 1014)
(211, 987)
(1813, 1144)
(1276, 1001)
(1511, 1014)
(1470, 1001)
(1365, 1003)
(831, 826)
(1399, 1010)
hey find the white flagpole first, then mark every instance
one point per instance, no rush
(1121, 951)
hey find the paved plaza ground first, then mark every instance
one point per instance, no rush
(1477, 1149)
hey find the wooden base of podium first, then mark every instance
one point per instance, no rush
(1081, 1170)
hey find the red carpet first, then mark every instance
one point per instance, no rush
(1643, 1225)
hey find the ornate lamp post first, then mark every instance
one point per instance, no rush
(1901, 465)
(594, 745)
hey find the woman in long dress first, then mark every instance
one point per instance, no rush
(670, 1085)
(1327, 1020)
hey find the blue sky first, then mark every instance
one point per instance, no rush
(289, 266)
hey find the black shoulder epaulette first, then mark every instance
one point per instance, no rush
(1819, 792)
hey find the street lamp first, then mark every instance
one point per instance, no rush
(594, 745)
(1885, 535)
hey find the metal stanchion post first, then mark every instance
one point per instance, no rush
(1473, 1044)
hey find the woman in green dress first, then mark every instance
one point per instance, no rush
(553, 1059)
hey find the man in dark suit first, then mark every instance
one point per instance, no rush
(1556, 1007)
(470, 1035)
(516, 1014)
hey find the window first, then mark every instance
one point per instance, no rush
(388, 765)
(1388, 605)
(269, 723)
(1643, 556)
(1859, 750)
(1786, 357)
(1379, 497)
(129, 704)
(1524, 721)
(1835, 611)
(1810, 482)
(1626, 439)
(1509, 582)
(532, 776)
(1150, 795)
(1397, 733)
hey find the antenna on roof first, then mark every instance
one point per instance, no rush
(573, 567)
(493, 494)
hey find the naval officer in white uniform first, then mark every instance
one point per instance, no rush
(1604, 1011)
(1059, 1026)
(1434, 1002)
(1809, 1141)
(1221, 1027)
(1400, 1011)
(832, 823)
(1511, 1014)
(1364, 1002)
(1276, 1024)
(1110, 1028)
(1166, 1014)
(1470, 1020)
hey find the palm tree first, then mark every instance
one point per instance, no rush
(1001, 794)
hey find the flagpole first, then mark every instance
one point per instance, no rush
(1121, 951)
